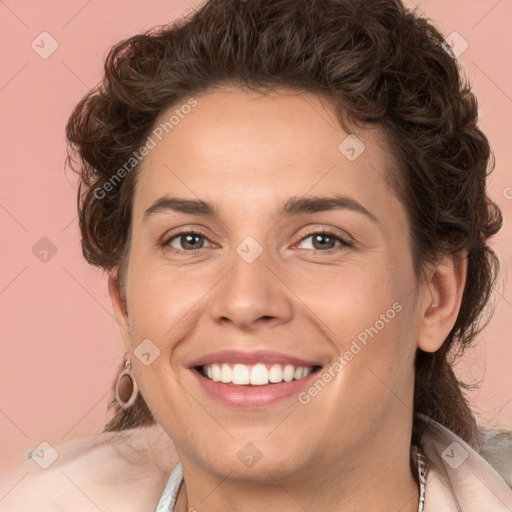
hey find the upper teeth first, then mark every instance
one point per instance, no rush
(258, 375)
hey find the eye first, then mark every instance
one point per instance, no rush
(190, 241)
(324, 241)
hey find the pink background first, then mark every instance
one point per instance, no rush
(60, 345)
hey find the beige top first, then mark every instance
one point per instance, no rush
(128, 471)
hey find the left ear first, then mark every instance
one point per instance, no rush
(440, 299)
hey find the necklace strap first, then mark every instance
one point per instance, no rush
(422, 467)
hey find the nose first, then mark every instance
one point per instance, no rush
(251, 294)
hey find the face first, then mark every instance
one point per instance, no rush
(268, 279)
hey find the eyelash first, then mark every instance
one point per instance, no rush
(344, 242)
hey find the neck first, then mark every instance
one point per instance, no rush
(382, 480)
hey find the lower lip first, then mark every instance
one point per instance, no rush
(252, 396)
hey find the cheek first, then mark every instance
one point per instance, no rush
(375, 321)
(160, 298)
(368, 300)
(375, 380)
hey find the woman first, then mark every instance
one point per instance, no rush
(290, 200)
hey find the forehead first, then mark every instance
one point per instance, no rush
(247, 149)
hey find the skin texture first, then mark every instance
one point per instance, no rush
(248, 153)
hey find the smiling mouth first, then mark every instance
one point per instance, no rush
(254, 375)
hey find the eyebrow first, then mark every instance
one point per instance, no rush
(293, 206)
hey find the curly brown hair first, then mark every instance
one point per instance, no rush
(378, 63)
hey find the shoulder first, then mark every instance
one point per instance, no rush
(116, 471)
(495, 447)
(465, 478)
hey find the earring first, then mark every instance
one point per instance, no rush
(126, 387)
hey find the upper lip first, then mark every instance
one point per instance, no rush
(259, 356)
